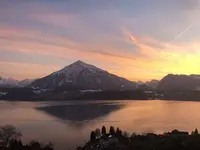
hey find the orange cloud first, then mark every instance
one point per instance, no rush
(166, 58)
(152, 61)
(27, 42)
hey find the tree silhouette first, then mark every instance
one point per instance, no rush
(79, 148)
(118, 132)
(98, 133)
(48, 147)
(15, 145)
(103, 130)
(125, 134)
(10, 140)
(112, 130)
(195, 132)
(7, 134)
(134, 135)
(92, 136)
(35, 145)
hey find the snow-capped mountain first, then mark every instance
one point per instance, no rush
(148, 85)
(84, 76)
(25, 82)
(8, 82)
(140, 82)
(153, 83)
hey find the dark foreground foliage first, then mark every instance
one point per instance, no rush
(10, 139)
(116, 140)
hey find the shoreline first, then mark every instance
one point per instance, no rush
(89, 100)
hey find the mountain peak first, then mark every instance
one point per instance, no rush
(78, 66)
(75, 68)
(85, 76)
(79, 62)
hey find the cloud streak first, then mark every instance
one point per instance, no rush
(34, 42)
(181, 34)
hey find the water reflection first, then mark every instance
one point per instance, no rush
(81, 112)
(68, 124)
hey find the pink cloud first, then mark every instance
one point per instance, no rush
(154, 62)
(27, 41)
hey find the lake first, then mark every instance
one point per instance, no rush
(68, 124)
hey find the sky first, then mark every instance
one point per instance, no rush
(135, 39)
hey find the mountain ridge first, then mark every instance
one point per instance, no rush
(8, 82)
(179, 82)
(70, 76)
(12, 83)
(85, 76)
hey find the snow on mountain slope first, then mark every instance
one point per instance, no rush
(85, 76)
(25, 82)
(148, 85)
(8, 82)
(76, 68)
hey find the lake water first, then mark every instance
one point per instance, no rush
(68, 124)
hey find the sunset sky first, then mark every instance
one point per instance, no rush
(135, 39)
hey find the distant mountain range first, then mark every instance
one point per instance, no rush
(79, 75)
(10, 82)
(149, 85)
(78, 81)
(83, 76)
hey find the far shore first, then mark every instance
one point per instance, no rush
(89, 100)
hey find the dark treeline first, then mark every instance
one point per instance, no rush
(118, 140)
(10, 139)
(112, 139)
